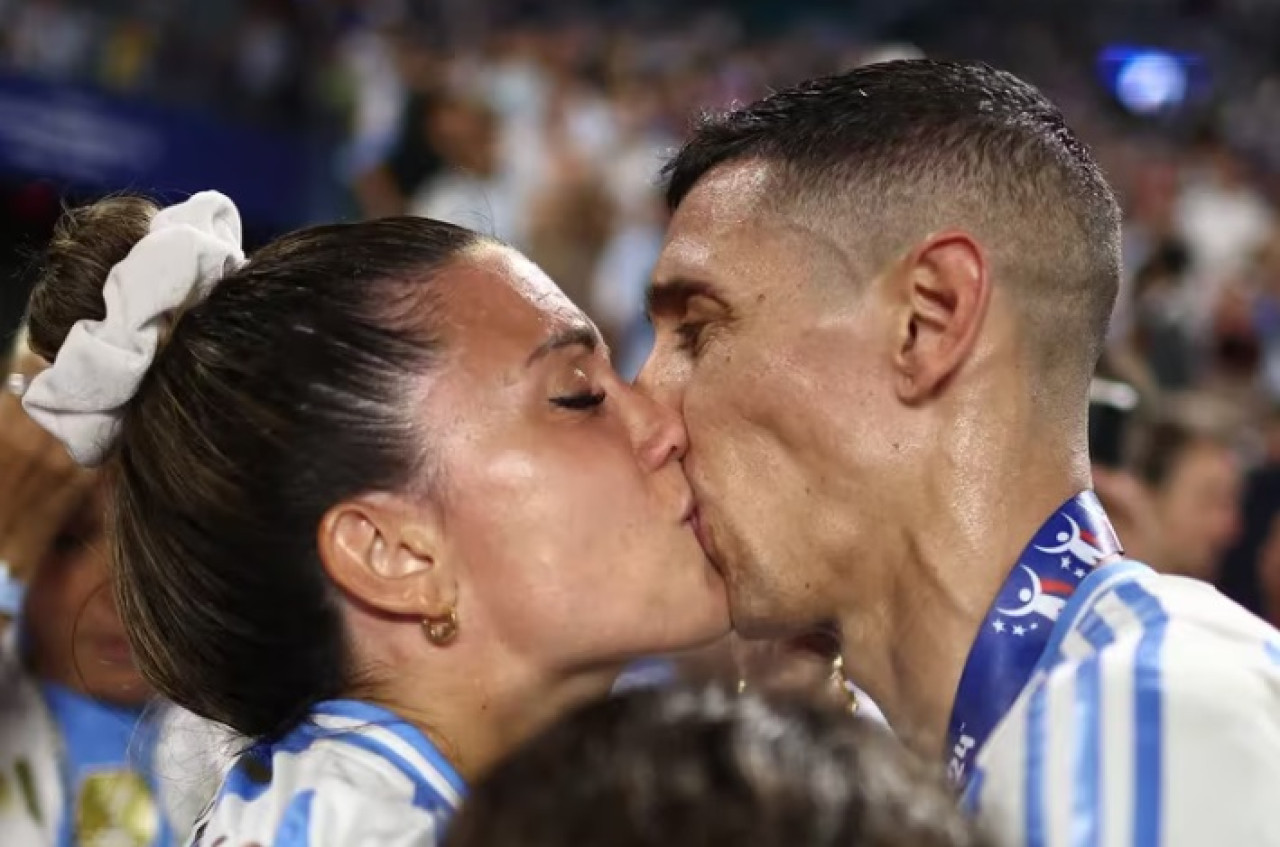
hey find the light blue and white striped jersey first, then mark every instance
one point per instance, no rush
(1153, 718)
(351, 774)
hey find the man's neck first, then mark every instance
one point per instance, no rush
(972, 525)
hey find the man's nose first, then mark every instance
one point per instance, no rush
(662, 382)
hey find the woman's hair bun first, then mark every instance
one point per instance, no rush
(87, 242)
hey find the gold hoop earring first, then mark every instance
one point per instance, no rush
(840, 680)
(442, 631)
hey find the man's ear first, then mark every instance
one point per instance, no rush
(941, 291)
(385, 552)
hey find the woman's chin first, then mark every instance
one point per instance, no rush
(707, 626)
(692, 630)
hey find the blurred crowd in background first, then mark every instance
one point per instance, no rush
(546, 124)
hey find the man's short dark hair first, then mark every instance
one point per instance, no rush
(892, 152)
(700, 767)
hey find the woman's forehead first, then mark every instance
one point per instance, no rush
(500, 292)
(496, 310)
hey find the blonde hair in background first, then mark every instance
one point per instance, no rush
(20, 345)
(18, 356)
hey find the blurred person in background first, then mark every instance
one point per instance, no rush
(1160, 336)
(1149, 195)
(1195, 480)
(1246, 565)
(380, 503)
(1223, 219)
(1234, 374)
(128, 54)
(1262, 285)
(699, 767)
(569, 223)
(53, 38)
(639, 216)
(264, 70)
(471, 188)
(83, 751)
(399, 83)
(1268, 571)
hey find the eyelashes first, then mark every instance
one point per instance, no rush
(580, 402)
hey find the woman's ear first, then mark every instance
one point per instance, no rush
(385, 552)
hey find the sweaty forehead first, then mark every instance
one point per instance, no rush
(714, 214)
(522, 278)
(499, 303)
(495, 285)
(730, 231)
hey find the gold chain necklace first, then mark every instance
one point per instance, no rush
(837, 678)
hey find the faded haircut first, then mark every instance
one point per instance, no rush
(890, 153)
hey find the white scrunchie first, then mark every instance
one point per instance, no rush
(80, 399)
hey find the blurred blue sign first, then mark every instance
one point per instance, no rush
(95, 142)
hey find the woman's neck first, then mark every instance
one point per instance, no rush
(476, 720)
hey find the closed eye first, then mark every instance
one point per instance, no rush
(689, 335)
(580, 402)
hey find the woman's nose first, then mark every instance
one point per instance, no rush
(661, 435)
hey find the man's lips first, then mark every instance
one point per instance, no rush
(818, 643)
(704, 538)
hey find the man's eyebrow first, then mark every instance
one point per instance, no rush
(669, 297)
(576, 335)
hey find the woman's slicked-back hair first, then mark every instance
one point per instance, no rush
(285, 392)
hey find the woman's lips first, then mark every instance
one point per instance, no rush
(704, 538)
(695, 523)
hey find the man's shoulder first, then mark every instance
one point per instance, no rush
(1171, 626)
(1174, 637)
(1158, 681)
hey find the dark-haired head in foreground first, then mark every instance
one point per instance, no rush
(686, 767)
(879, 306)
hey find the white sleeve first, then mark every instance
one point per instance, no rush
(331, 816)
(1124, 749)
(1222, 743)
(329, 810)
(191, 759)
(31, 801)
